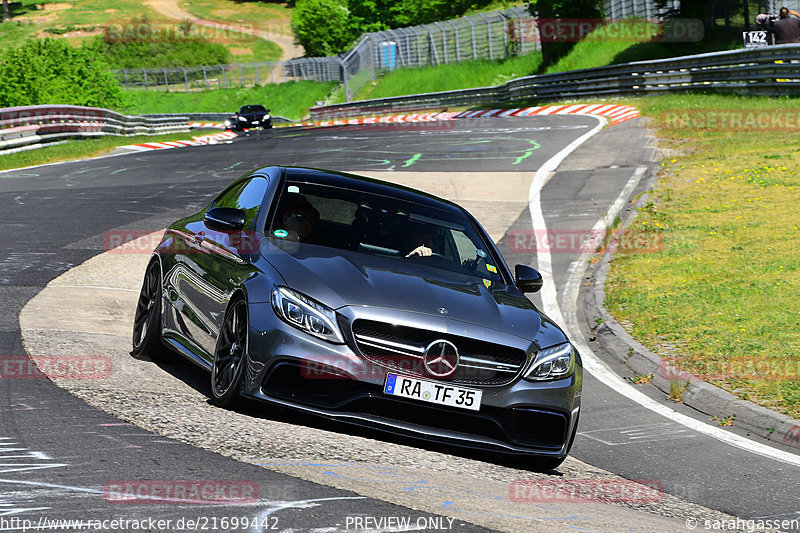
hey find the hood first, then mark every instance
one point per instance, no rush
(339, 278)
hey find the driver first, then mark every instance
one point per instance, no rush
(423, 239)
(299, 217)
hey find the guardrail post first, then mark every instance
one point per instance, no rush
(166, 80)
(474, 44)
(145, 79)
(241, 75)
(458, 44)
(444, 41)
(185, 79)
(347, 96)
(419, 46)
(205, 76)
(488, 34)
(505, 31)
(127, 85)
(222, 68)
(258, 82)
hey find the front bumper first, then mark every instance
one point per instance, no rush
(290, 368)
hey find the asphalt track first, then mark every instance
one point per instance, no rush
(54, 215)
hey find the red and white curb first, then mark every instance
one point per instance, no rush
(197, 141)
(615, 114)
(209, 125)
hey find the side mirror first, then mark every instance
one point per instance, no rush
(528, 279)
(225, 218)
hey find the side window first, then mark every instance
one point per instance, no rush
(246, 196)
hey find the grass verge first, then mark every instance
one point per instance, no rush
(289, 99)
(86, 148)
(718, 294)
(450, 77)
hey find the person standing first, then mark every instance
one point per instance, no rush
(786, 29)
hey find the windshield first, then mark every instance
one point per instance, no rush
(250, 109)
(383, 226)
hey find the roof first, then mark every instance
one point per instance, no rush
(371, 185)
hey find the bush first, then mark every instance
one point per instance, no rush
(140, 44)
(322, 27)
(50, 71)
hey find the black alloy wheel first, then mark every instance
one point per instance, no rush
(229, 355)
(147, 320)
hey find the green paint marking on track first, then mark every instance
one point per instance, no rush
(527, 153)
(119, 170)
(413, 160)
(233, 166)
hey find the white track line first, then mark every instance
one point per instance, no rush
(571, 323)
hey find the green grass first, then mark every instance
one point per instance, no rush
(290, 99)
(33, 18)
(86, 148)
(454, 76)
(721, 286)
(271, 16)
(601, 48)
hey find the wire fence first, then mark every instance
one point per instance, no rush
(186, 79)
(616, 9)
(494, 35)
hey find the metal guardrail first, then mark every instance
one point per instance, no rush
(773, 71)
(207, 117)
(22, 127)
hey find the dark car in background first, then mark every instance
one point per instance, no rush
(249, 117)
(363, 302)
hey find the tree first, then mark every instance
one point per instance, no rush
(6, 14)
(322, 27)
(546, 11)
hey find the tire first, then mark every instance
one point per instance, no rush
(230, 355)
(146, 338)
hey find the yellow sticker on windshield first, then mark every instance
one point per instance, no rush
(491, 268)
(487, 282)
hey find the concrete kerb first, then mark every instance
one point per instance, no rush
(704, 397)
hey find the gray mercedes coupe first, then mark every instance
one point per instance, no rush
(364, 302)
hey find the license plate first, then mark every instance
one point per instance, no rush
(433, 392)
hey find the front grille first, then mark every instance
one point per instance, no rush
(401, 349)
(520, 426)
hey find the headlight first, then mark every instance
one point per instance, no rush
(552, 363)
(242, 119)
(227, 123)
(304, 313)
(267, 117)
